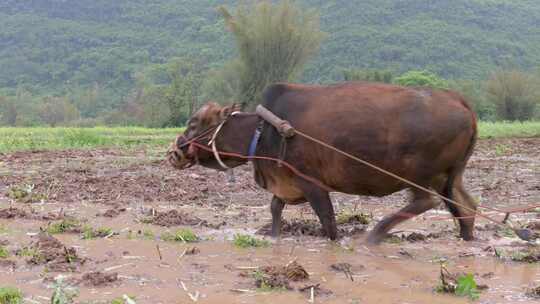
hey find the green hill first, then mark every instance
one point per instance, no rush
(54, 46)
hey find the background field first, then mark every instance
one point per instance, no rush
(23, 139)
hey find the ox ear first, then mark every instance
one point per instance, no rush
(229, 110)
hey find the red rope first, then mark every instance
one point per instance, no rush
(329, 189)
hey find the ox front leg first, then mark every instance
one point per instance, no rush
(276, 208)
(321, 203)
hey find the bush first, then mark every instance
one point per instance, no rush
(475, 94)
(515, 94)
(274, 42)
(421, 79)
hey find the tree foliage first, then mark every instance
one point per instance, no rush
(56, 111)
(421, 79)
(385, 76)
(515, 94)
(274, 42)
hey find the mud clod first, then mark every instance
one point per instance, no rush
(98, 279)
(113, 212)
(12, 213)
(280, 277)
(533, 225)
(8, 264)
(416, 237)
(192, 251)
(175, 218)
(49, 251)
(318, 291)
(534, 293)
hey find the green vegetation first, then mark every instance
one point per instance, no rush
(19, 139)
(264, 282)
(87, 63)
(25, 194)
(28, 252)
(124, 300)
(274, 42)
(63, 293)
(89, 233)
(509, 129)
(515, 94)
(182, 235)
(24, 139)
(466, 287)
(421, 79)
(4, 253)
(384, 76)
(353, 217)
(63, 226)
(459, 285)
(247, 241)
(10, 295)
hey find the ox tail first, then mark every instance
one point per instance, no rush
(458, 168)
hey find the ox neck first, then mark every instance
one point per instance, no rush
(237, 134)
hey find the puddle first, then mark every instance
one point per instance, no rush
(104, 191)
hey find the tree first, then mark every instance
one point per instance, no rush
(421, 79)
(274, 42)
(368, 75)
(475, 94)
(55, 111)
(8, 111)
(515, 94)
(183, 90)
(223, 85)
(165, 95)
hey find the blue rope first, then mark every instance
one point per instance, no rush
(254, 142)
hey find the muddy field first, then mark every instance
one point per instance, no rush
(123, 204)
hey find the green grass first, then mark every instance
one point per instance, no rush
(89, 233)
(65, 225)
(182, 235)
(246, 241)
(4, 253)
(467, 287)
(10, 295)
(509, 129)
(23, 139)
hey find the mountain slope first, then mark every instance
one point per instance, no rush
(52, 46)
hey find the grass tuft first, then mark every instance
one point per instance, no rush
(10, 295)
(89, 233)
(182, 235)
(63, 226)
(247, 241)
(353, 218)
(4, 253)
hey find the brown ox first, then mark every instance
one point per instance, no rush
(420, 134)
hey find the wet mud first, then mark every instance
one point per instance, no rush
(140, 198)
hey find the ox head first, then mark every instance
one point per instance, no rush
(184, 151)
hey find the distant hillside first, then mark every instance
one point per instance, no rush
(52, 46)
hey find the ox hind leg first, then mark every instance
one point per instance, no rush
(466, 210)
(420, 203)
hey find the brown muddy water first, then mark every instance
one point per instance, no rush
(122, 190)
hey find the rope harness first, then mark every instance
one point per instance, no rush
(286, 131)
